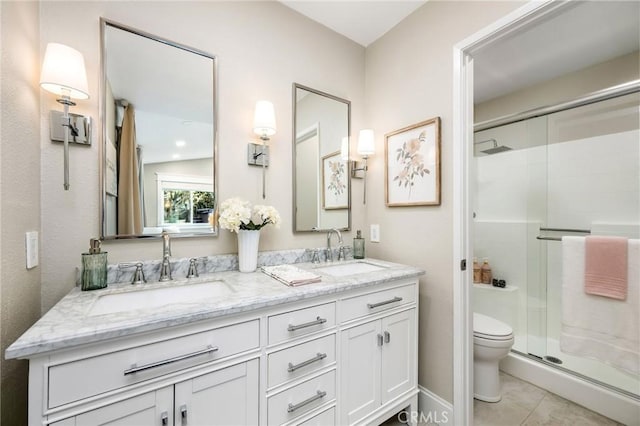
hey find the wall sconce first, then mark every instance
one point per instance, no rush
(63, 73)
(264, 125)
(366, 148)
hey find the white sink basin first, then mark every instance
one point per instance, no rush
(163, 297)
(350, 268)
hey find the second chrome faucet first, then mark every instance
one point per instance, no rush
(340, 245)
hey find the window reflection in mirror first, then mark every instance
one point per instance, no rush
(321, 167)
(159, 136)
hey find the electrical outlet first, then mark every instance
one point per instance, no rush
(31, 249)
(375, 234)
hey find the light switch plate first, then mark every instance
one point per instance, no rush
(31, 249)
(375, 234)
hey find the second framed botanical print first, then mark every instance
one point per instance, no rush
(412, 165)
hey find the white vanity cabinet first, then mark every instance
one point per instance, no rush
(225, 397)
(192, 375)
(322, 356)
(379, 356)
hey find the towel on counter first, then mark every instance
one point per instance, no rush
(597, 327)
(605, 271)
(291, 275)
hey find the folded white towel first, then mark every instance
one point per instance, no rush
(291, 275)
(598, 327)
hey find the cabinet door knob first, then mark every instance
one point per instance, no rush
(387, 337)
(183, 414)
(380, 340)
(164, 418)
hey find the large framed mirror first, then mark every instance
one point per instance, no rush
(321, 178)
(158, 163)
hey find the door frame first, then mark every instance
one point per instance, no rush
(519, 20)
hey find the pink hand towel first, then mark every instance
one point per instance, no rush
(605, 272)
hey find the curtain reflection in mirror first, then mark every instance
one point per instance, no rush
(129, 201)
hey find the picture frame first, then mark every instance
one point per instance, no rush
(412, 165)
(335, 189)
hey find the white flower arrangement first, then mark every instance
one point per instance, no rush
(237, 214)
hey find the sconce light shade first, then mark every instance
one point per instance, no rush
(264, 119)
(344, 149)
(63, 72)
(366, 143)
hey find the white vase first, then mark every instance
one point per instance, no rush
(248, 250)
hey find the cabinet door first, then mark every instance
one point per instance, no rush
(398, 364)
(360, 382)
(152, 408)
(225, 397)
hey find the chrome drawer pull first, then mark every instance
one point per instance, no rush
(380, 340)
(317, 396)
(164, 418)
(318, 321)
(136, 369)
(386, 302)
(318, 357)
(387, 337)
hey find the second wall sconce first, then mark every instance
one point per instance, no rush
(366, 148)
(63, 73)
(264, 125)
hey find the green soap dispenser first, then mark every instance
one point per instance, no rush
(358, 246)
(94, 267)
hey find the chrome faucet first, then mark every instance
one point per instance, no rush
(340, 248)
(165, 268)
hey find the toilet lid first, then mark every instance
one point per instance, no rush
(490, 328)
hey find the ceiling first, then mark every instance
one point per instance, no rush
(361, 21)
(577, 36)
(583, 34)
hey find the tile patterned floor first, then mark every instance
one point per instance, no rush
(524, 404)
(527, 405)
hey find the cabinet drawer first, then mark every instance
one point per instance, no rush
(302, 359)
(303, 321)
(91, 376)
(371, 303)
(327, 417)
(300, 399)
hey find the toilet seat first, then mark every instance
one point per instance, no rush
(485, 327)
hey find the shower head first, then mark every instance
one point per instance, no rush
(495, 149)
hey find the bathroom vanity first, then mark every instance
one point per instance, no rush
(229, 348)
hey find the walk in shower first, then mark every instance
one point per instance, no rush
(567, 170)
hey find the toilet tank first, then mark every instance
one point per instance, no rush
(498, 303)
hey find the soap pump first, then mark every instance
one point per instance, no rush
(358, 246)
(94, 267)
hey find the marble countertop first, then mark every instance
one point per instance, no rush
(70, 323)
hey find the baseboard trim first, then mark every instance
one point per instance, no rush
(433, 409)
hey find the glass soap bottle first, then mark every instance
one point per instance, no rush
(477, 274)
(358, 246)
(94, 267)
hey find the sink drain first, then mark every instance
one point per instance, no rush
(553, 359)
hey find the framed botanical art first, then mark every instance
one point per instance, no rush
(412, 165)
(334, 182)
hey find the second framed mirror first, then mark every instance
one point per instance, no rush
(321, 183)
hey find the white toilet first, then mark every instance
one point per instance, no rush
(492, 341)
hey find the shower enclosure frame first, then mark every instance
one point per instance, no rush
(463, 129)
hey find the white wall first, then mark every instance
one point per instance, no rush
(409, 79)
(262, 48)
(19, 193)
